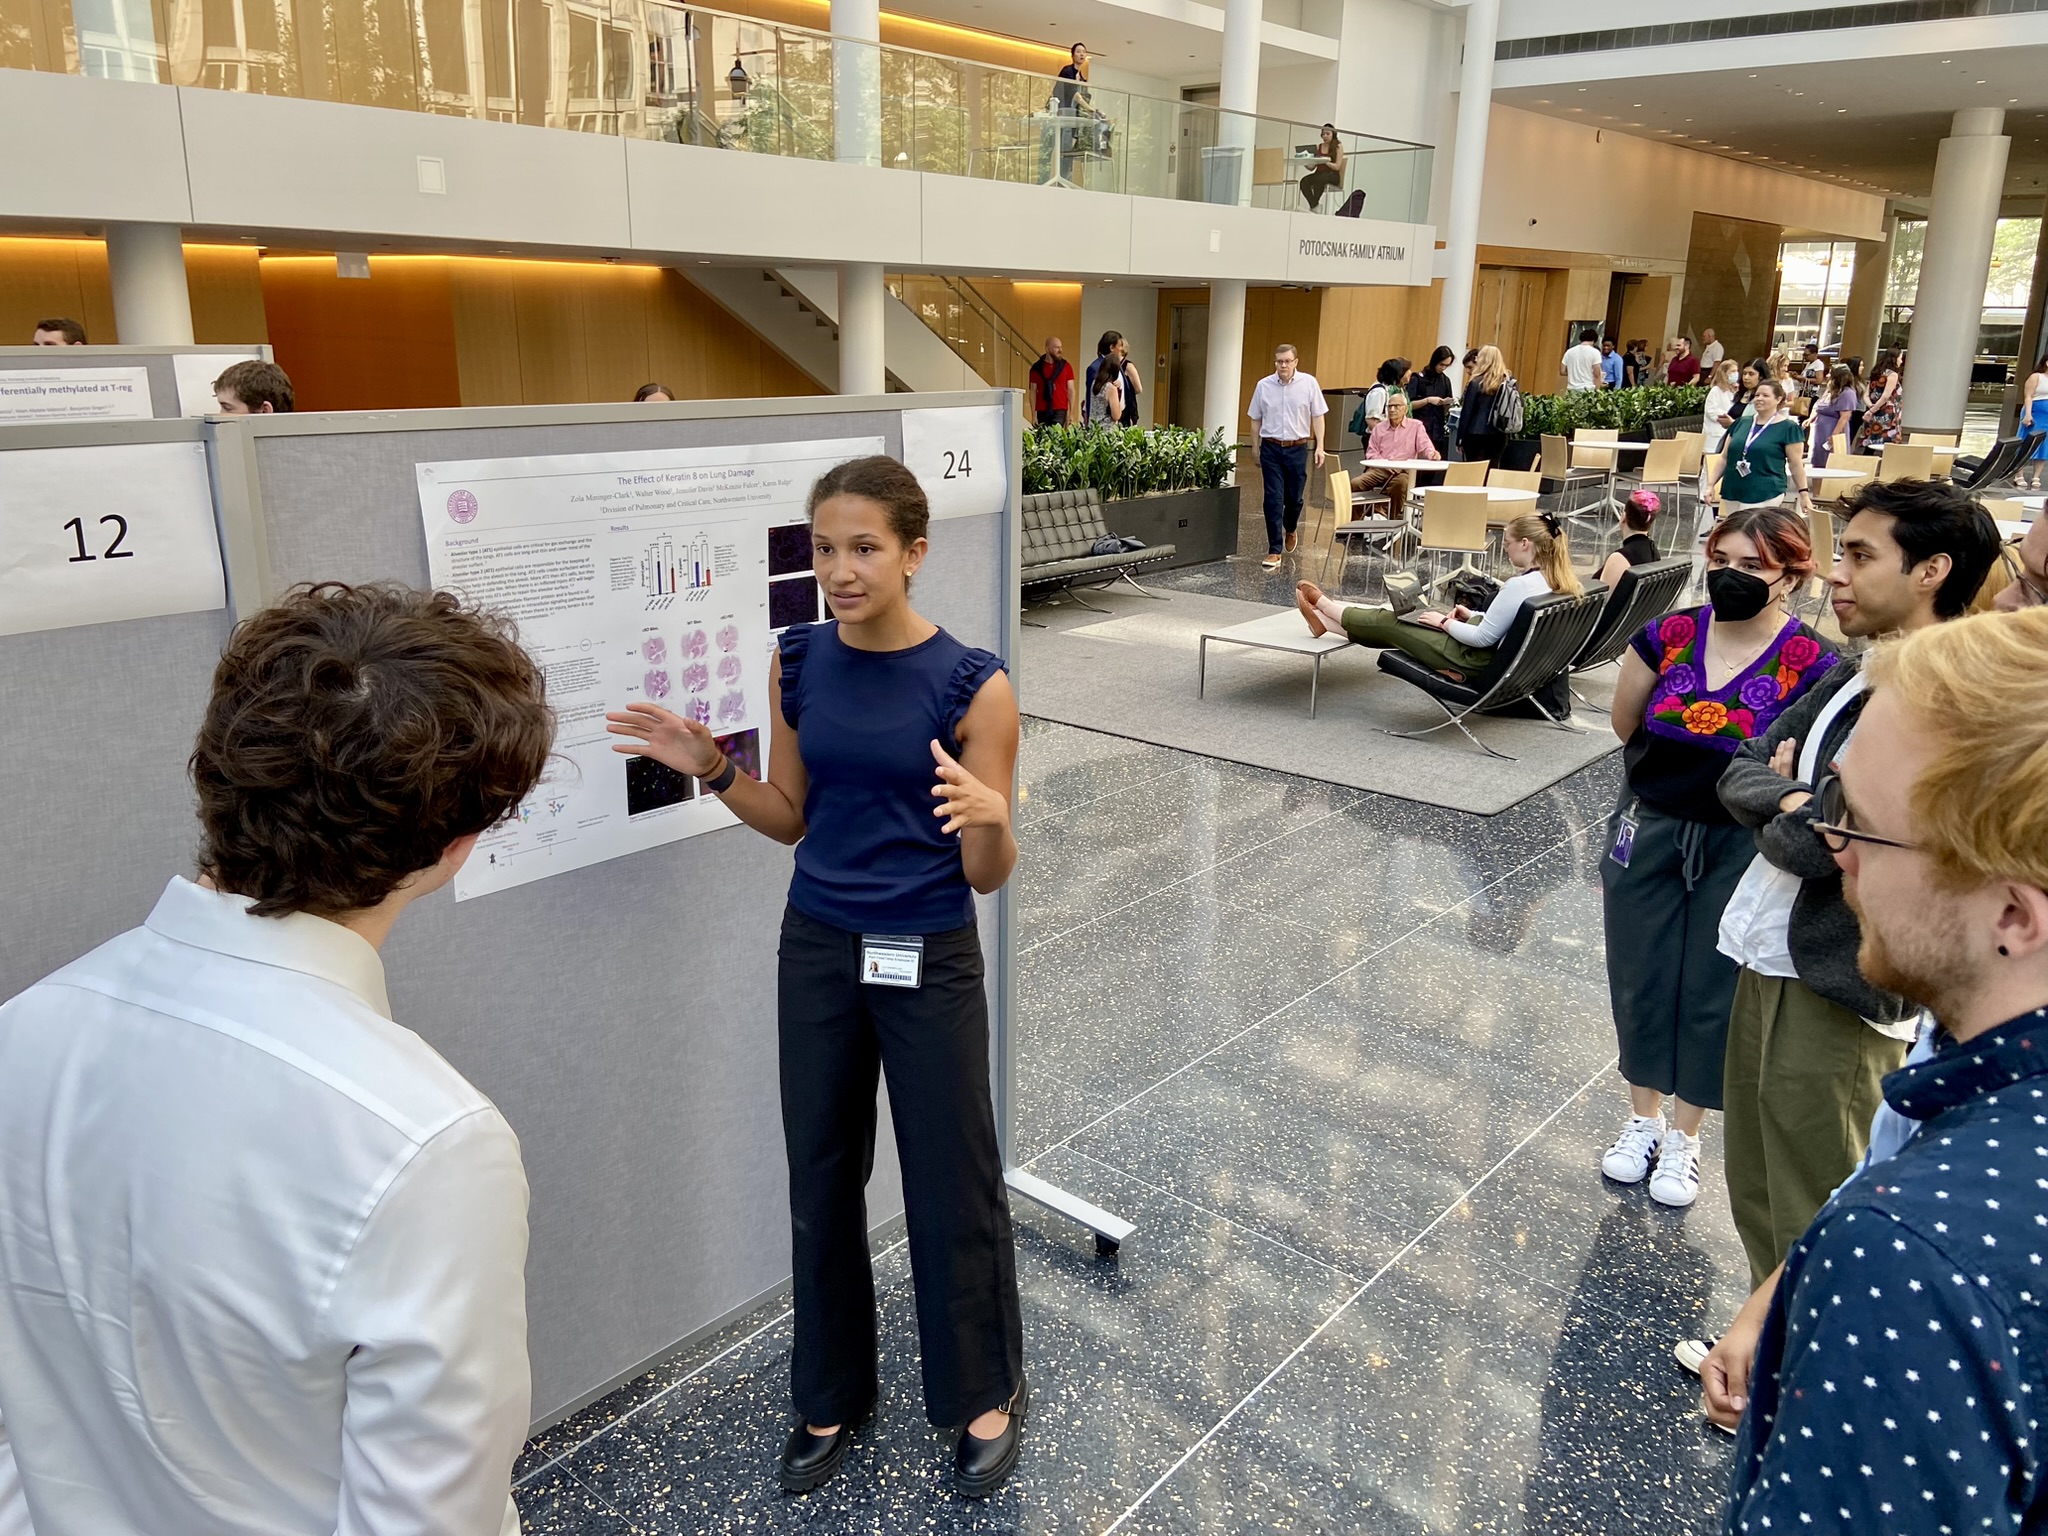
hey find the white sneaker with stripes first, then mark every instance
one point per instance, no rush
(1677, 1179)
(1629, 1158)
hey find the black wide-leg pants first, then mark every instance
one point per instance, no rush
(932, 1041)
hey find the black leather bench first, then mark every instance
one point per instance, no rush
(1061, 529)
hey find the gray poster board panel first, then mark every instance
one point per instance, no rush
(98, 724)
(622, 1016)
(163, 378)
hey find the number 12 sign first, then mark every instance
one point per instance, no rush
(957, 454)
(94, 535)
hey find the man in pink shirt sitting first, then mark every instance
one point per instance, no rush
(1397, 437)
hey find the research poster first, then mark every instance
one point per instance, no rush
(73, 394)
(657, 575)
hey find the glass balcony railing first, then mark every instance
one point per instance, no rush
(650, 69)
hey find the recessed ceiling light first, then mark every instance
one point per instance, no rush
(1981, 82)
(1841, 109)
(1635, 103)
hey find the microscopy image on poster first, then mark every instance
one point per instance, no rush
(632, 576)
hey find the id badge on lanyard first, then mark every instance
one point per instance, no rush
(891, 960)
(1625, 836)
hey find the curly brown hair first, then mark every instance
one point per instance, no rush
(353, 734)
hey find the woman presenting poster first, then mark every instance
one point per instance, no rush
(894, 746)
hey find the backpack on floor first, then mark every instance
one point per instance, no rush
(1353, 206)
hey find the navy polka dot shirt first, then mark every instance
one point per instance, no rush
(1903, 1368)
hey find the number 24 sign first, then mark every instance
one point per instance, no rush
(101, 534)
(957, 454)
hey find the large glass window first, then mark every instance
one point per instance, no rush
(1813, 293)
(2007, 286)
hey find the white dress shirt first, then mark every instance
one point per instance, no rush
(1288, 411)
(262, 1251)
(1711, 354)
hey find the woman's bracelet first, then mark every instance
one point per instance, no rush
(721, 781)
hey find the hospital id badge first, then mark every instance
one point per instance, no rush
(1624, 839)
(1742, 468)
(891, 960)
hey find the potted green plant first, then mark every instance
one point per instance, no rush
(1165, 485)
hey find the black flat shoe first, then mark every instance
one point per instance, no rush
(981, 1466)
(809, 1460)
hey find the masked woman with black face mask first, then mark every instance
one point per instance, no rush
(1694, 686)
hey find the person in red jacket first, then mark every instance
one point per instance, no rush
(1052, 386)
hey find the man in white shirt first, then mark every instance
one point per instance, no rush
(1581, 365)
(1711, 350)
(262, 1250)
(1287, 410)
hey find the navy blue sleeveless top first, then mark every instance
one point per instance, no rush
(873, 859)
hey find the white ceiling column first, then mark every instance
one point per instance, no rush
(1969, 178)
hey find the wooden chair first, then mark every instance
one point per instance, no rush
(1691, 454)
(1906, 461)
(1466, 472)
(1935, 439)
(1382, 533)
(1820, 525)
(1663, 468)
(1557, 465)
(1588, 457)
(1515, 479)
(2003, 510)
(1454, 521)
(1838, 444)
(1354, 504)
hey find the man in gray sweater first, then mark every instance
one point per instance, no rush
(1809, 1039)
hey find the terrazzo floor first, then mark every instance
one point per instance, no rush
(1347, 1063)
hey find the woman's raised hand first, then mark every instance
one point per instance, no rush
(963, 799)
(665, 736)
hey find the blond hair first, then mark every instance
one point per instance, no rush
(1489, 370)
(1978, 687)
(1552, 558)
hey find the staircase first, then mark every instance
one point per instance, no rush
(969, 325)
(796, 311)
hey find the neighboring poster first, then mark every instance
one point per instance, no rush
(631, 576)
(94, 535)
(73, 394)
(196, 372)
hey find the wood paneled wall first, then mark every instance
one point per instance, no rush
(1039, 310)
(1341, 334)
(1644, 310)
(40, 279)
(1363, 327)
(451, 330)
(387, 343)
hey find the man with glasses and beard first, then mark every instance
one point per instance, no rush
(1892, 1378)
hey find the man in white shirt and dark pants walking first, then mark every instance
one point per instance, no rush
(262, 1250)
(1288, 409)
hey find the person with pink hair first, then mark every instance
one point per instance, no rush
(1637, 547)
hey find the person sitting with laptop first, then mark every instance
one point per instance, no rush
(1461, 642)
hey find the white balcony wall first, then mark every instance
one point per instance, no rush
(82, 153)
(324, 166)
(90, 149)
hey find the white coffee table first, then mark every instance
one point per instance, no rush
(1406, 466)
(1286, 631)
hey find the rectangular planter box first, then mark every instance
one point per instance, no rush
(1201, 525)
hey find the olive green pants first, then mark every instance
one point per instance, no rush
(1378, 628)
(1802, 1079)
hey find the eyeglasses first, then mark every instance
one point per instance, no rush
(1833, 828)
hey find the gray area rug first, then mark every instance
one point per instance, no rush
(1132, 670)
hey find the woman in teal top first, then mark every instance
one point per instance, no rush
(1763, 454)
